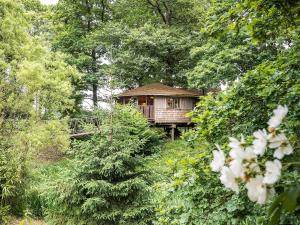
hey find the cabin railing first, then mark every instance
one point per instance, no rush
(147, 110)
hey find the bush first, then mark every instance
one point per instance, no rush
(190, 195)
(243, 109)
(247, 106)
(41, 177)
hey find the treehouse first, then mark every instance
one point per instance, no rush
(161, 104)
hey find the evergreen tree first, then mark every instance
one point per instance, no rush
(108, 185)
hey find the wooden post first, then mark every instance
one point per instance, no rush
(173, 127)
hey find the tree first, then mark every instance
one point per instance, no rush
(238, 36)
(108, 184)
(149, 40)
(75, 24)
(156, 39)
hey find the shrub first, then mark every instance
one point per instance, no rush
(247, 106)
(242, 109)
(192, 195)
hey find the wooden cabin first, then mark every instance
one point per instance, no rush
(161, 104)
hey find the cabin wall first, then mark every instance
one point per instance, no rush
(160, 102)
(187, 103)
(164, 115)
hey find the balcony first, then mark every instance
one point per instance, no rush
(148, 111)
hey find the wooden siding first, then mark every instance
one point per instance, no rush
(160, 102)
(187, 103)
(164, 115)
(171, 116)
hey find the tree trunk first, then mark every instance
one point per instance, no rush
(95, 96)
(170, 65)
(164, 9)
(95, 81)
(169, 60)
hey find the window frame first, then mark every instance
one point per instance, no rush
(175, 105)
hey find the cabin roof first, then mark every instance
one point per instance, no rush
(158, 89)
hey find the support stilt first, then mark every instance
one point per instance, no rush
(173, 127)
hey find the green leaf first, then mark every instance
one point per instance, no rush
(275, 217)
(290, 198)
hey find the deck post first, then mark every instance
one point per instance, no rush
(173, 127)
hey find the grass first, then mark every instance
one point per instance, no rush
(172, 152)
(42, 176)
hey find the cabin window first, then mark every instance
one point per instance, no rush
(173, 103)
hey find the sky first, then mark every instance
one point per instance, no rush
(49, 2)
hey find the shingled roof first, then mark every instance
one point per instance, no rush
(158, 89)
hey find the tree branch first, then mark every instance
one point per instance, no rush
(103, 11)
(157, 7)
(161, 12)
(168, 15)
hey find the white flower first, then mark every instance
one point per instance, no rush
(257, 190)
(260, 142)
(281, 144)
(279, 113)
(285, 149)
(237, 147)
(237, 168)
(250, 162)
(244, 162)
(253, 167)
(278, 140)
(218, 161)
(228, 179)
(249, 154)
(273, 171)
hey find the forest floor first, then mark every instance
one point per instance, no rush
(50, 155)
(49, 158)
(25, 222)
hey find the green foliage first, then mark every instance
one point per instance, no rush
(76, 24)
(41, 176)
(235, 111)
(107, 183)
(237, 36)
(223, 60)
(244, 108)
(161, 162)
(157, 39)
(264, 20)
(288, 201)
(153, 54)
(188, 193)
(145, 41)
(34, 92)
